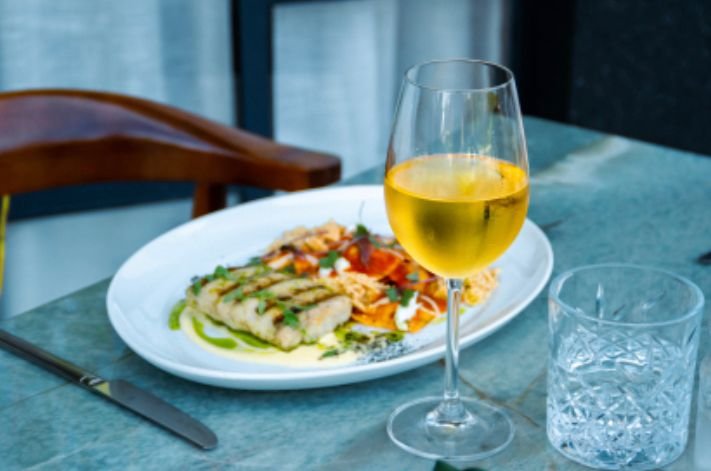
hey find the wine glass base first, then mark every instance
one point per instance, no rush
(485, 431)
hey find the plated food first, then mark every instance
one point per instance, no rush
(278, 307)
(147, 286)
(330, 290)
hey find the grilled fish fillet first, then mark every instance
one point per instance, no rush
(257, 301)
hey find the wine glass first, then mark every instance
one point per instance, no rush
(456, 192)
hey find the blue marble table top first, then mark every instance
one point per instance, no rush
(600, 198)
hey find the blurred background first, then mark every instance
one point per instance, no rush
(323, 75)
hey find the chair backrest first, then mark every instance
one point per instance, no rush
(54, 138)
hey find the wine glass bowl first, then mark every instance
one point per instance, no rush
(456, 213)
(456, 194)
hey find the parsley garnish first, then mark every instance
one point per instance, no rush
(237, 294)
(404, 297)
(290, 318)
(329, 260)
(361, 231)
(407, 295)
(262, 296)
(330, 353)
(224, 273)
(414, 277)
(393, 337)
(197, 287)
(254, 261)
(290, 312)
(261, 306)
(355, 336)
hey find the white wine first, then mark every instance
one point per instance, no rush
(456, 213)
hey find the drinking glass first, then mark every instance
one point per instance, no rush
(456, 193)
(623, 344)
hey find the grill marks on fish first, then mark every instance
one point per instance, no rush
(263, 300)
(301, 300)
(254, 283)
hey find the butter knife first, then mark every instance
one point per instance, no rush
(118, 391)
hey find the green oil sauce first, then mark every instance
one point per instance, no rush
(174, 319)
(218, 342)
(245, 337)
(248, 338)
(217, 338)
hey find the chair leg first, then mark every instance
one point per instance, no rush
(208, 198)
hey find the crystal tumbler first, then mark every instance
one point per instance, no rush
(623, 342)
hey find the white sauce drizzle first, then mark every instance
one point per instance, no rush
(340, 265)
(403, 314)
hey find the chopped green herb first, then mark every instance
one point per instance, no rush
(224, 273)
(254, 261)
(393, 337)
(289, 270)
(291, 319)
(174, 319)
(392, 293)
(361, 230)
(355, 336)
(330, 353)
(261, 306)
(304, 308)
(282, 305)
(263, 294)
(407, 295)
(197, 287)
(329, 260)
(414, 276)
(341, 332)
(210, 277)
(235, 294)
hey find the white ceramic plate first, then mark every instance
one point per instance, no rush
(154, 278)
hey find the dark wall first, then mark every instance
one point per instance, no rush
(639, 68)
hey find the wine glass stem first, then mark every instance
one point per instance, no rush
(451, 378)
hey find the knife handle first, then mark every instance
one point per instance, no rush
(43, 358)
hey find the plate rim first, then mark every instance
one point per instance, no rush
(336, 375)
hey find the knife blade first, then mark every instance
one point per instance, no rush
(118, 391)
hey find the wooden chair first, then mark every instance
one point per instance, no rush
(54, 138)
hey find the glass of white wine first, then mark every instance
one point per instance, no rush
(456, 193)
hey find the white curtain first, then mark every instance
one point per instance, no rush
(338, 65)
(173, 51)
